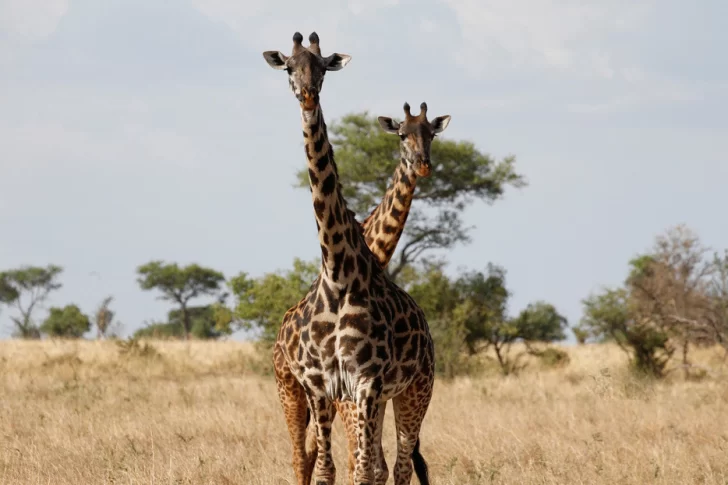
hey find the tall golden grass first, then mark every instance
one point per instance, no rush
(207, 413)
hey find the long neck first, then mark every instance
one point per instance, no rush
(339, 237)
(383, 227)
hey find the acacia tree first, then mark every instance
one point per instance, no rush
(26, 288)
(180, 284)
(366, 158)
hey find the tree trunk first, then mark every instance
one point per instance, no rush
(503, 363)
(186, 321)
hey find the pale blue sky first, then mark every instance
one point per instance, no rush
(138, 129)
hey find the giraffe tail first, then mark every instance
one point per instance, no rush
(420, 465)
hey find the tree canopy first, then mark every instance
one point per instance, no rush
(674, 296)
(8, 293)
(366, 158)
(263, 301)
(26, 288)
(180, 284)
(470, 313)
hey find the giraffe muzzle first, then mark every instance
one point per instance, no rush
(309, 98)
(423, 168)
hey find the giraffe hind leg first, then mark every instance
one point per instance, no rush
(409, 411)
(293, 400)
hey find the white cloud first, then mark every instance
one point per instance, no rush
(31, 20)
(584, 42)
(544, 33)
(428, 26)
(648, 90)
(358, 7)
(261, 24)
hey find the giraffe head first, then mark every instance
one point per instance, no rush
(306, 68)
(416, 134)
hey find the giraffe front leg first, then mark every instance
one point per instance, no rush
(368, 410)
(322, 414)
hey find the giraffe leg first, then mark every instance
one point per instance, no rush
(347, 411)
(409, 411)
(322, 415)
(312, 442)
(381, 472)
(368, 410)
(293, 400)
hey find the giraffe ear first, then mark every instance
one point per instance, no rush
(275, 59)
(440, 123)
(336, 62)
(388, 125)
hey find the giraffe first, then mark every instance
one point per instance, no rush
(356, 336)
(383, 228)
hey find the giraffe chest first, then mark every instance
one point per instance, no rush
(344, 344)
(339, 363)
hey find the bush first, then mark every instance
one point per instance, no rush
(66, 322)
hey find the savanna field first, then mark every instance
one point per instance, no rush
(207, 413)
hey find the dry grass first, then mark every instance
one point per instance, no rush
(202, 413)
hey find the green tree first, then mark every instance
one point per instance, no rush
(483, 308)
(262, 302)
(541, 322)
(207, 323)
(470, 314)
(612, 313)
(66, 322)
(438, 297)
(29, 287)
(180, 285)
(366, 158)
(672, 299)
(672, 286)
